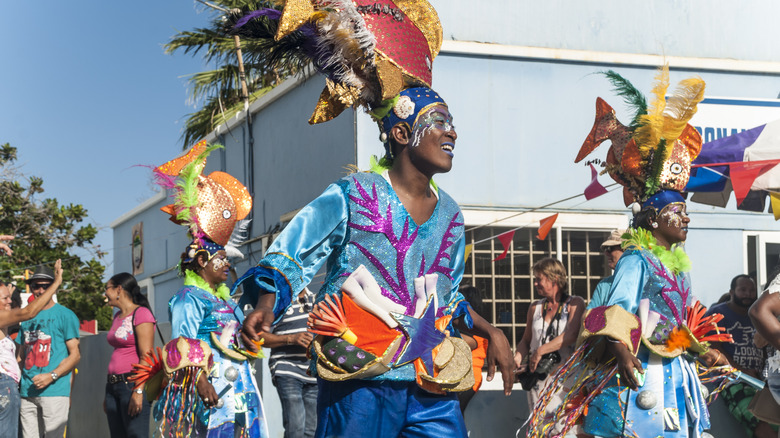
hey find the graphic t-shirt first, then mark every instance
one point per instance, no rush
(44, 348)
(122, 338)
(743, 350)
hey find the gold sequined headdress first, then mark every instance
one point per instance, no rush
(369, 50)
(655, 151)
(209, 206)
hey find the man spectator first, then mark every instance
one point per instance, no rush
(49, 351)
(612, 250)
(289, 342)
(742, 354)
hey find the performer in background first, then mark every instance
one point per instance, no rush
(211, 388)
(634, 368)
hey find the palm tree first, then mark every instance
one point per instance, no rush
(219, 92)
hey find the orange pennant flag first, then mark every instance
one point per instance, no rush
(469, 247)
(545, 225)
(506, 241)
(775, 198)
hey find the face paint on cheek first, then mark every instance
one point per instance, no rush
(674, 216)
(419, 133)
(219, 264)
(434, 119)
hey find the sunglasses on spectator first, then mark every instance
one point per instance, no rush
(610, 249)
(35, 286)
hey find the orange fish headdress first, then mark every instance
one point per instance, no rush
(209, 206)
(654, 153)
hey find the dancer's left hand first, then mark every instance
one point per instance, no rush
(207, 392)
(500, 353)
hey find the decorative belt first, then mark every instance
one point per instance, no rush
(117, 378)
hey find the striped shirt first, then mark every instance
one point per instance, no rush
(290, 360)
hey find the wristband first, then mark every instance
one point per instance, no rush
(54, 376)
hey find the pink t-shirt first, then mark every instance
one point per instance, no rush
(122, 338)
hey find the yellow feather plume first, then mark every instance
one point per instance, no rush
(648, 134)
(681, 107)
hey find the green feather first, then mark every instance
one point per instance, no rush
(630, 94)
(187, 198)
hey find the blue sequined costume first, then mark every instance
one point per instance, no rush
(196, 313)
(680, 409)
(359, 220)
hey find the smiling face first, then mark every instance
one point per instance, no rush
(5, 298)
(672, 224)
(432, 141)
(111, 294)
(217, 269)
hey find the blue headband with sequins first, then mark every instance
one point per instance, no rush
(409, 104)
(197, 246)
(661, 199)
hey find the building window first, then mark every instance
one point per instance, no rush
(507, 285)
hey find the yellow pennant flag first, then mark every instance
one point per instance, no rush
(775, 197)
(469, 247)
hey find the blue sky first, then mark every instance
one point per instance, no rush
(87, 93)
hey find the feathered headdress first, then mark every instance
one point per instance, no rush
(654, 153)
(209, 206)
(369, 51)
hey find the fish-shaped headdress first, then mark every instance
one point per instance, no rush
(654, 153)
(209, 206)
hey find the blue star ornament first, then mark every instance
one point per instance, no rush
(421, 336)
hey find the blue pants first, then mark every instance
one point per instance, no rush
(385, 409)
(299, 406)
(120, 424)
(9, 407)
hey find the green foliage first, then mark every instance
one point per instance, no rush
(217, 93)
(46, 231)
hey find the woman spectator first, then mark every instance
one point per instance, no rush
(9, 367)
(132, 336)
(544, 345)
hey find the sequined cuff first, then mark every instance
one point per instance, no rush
(461, 308)
(614, 322)
(277, 274)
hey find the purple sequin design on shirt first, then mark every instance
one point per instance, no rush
(384, 225)
(673, 286)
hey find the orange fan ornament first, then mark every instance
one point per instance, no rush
(328, 319)
(701, 325)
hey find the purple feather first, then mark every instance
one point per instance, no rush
(273, 14)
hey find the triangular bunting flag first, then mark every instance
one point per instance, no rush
(506, 241)
(775, 198)
(743, 175)
(545, 225)
(469, 247)
(594, 189)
